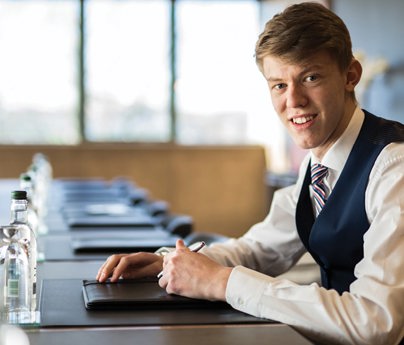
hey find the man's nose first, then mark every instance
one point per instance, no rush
(296, 97)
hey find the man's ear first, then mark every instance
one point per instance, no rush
(353, 75)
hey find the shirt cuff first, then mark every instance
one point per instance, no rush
(164, 250)
(245, 289)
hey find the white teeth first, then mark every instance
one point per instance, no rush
(303, 119)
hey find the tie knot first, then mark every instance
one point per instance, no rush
(318, 172)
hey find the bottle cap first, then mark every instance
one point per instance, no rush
(25, 177)
(19, 195)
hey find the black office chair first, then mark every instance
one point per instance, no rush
(178, 224)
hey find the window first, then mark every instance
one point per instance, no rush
(127, 70)
(134, 71)
(38, 83)
(216, 70)
(222, 97)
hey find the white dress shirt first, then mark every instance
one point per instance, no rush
(372, 312)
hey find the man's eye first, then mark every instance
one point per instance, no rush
(311, 78)
(279, 86)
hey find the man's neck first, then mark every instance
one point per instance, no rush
(350, 107)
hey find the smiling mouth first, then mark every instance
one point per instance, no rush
(303, 119)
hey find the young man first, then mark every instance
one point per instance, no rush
(349, 215)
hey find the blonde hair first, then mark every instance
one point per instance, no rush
(302, 30)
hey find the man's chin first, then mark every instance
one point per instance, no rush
(304, 145)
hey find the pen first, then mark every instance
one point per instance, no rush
(195, 247)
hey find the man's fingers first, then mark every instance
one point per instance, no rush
(129, 265)
(123, 264)
(180, 245)
(108, 266)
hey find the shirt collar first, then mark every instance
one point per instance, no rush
(337, 155)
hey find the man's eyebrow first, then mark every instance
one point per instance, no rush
(273, 79)
(309, 67)
(305, 69)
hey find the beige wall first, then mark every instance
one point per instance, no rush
(221, 187)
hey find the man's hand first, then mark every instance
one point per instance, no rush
(194, 275)
(130, 266)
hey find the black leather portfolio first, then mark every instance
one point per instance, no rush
(135, 295)
(62, 304)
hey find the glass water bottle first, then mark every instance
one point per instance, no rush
(15, 277)
(19, 219)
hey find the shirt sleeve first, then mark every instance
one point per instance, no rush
(372, 311)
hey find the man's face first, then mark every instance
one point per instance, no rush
(311, 99)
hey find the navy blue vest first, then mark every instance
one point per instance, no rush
(335, 237)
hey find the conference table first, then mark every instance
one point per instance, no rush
(65, 320)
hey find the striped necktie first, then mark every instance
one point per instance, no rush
(318, 172)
